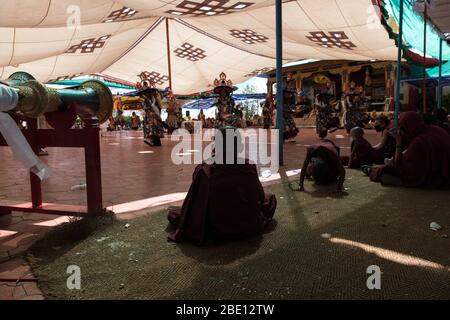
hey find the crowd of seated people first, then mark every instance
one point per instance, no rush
(422, 156)
(416, 154)
(120, 122)
(227, 201)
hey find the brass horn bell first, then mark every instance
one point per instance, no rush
(35, 98)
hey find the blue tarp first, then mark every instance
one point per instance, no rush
(208, 103)
(413, 29)
(431, 82)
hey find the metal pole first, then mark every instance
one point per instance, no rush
(439, 104)
(279, 56)
(399, 65)
(424, 82)
(169, 67)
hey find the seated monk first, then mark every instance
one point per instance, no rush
(361, 149)
(442, 119)
(225, 201)
(323, 164)
(422, 158)
(386, 148)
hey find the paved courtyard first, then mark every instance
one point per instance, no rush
(137, 178)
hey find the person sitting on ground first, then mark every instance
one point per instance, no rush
(135, 121)
(111, 124)
(372, 120)
(201, 117)
(210, 123)
(429, 118)
(386, 148)
(226, 200)
(323, 164)
(361, 149)
(422, 158)
(442, 119)
(120, 120)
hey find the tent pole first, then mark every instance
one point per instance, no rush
(424, 83)
(399, 65)
(169, 67)
(279, 73)
(440, 75)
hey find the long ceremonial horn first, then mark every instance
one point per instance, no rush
(18, 78)
(35, 98)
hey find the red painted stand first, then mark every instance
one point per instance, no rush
(87, 138)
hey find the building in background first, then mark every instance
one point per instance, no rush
(376, 79)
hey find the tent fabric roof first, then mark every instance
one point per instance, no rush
(208, 103)
(439, 13)
(121, 39)
(413, 29)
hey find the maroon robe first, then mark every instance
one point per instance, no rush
(426, 162)
(444, 126)
(386, 152)
(224, 202)
(330, 153)
(362, 153)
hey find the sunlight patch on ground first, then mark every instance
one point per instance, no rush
(147, 203)
(6, 233)
(53, 223)
(387, 254)
(266, 176)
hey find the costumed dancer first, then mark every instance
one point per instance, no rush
(326, 120)
(267, 111)
(173, 111)
(153, 126)
(289, 93)
(354, 117)
(225, 103)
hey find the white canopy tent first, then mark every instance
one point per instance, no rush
(63, 38)
(438, 12)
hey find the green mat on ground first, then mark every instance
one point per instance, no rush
(320, 248)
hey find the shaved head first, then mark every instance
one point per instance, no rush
(357, 132)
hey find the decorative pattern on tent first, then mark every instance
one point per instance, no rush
(120, 39)
(248, 36)
(258, 72)
(189, 52)
(89, 45)
(121, 14)
(335, 39)
(208, 7)
(62, 78)
(154, 77)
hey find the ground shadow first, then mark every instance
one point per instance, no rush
(222, 253)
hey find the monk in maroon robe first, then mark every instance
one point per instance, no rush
(361, 149)
(323, 164)
(422, 158)
(386, 148)
(442, 119)
(224, 202)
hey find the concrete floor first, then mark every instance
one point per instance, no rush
(136, 177)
